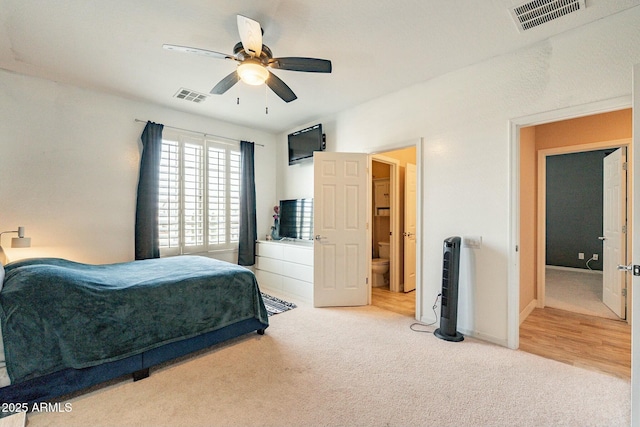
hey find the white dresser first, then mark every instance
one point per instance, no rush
(285, 267)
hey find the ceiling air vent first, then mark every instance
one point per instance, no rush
(537, 12)
(190, 95)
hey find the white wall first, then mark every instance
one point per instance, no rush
(69, 160)
(464, 119)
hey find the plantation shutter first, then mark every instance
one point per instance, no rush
(193, 199)
(169, 197)
(234, 196)
(217, 199)
(199, 195)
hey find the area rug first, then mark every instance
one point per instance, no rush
(276, 305)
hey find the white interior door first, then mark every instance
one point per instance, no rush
(342, 244)
(409, 235)
(614, 221)
(635, 258)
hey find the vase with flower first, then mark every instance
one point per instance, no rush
(275, 228)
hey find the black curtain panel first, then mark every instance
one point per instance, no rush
(147, 244)
(248, 233)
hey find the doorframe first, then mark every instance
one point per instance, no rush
(419, 144)
(513, 287)
(541, 204)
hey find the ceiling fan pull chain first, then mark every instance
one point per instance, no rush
(238, 101)
(266, 98)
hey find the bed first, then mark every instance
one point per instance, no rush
(66, 326)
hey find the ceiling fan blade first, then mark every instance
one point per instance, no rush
(209, 53)
(250, 35)
(280, 88)
(311, 65)
(225, 84)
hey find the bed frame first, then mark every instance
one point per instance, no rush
(67, 381)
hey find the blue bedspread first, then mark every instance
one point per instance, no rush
(60, 314)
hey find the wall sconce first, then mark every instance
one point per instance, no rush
(16, 242)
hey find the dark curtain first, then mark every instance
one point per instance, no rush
(248, 234)
(147, 245)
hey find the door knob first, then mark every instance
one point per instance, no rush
(602, 238)
(631, 268)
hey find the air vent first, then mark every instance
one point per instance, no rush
(537, 12)
(190, 95)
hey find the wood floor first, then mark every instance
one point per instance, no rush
(398, 302)
(586, 341)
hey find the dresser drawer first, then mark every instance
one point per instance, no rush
(297, 271)
(270, 250)
(269, 264)
(298, 255)
(268, 280)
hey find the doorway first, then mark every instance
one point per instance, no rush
(342, 217)
(536, 142)
(398, 293)
(583, 213)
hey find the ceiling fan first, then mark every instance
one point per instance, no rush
(254, 59)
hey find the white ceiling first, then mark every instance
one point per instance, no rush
(376, 47)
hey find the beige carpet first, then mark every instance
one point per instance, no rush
(354, 367)
(576, 291)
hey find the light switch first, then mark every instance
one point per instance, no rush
(473, 242)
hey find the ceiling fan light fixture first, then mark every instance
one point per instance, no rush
(252, 59)
(252, 73)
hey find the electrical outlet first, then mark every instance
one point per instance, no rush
(595, 257)
(580, 255)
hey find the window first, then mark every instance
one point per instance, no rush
(199, 200)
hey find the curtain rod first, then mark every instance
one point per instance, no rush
(201, 133)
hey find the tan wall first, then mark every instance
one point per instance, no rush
(585, 130)
(379, 170)
(528, 192)
(403, 155)
(603, 127)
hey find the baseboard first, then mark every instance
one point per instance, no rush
(527, 310)
(428, 320)
(574, 269)
(484, 337)
(467, 333)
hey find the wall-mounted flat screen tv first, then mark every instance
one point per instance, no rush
(296, 219)
(304, 142)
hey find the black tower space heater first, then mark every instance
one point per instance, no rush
(449, 302)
